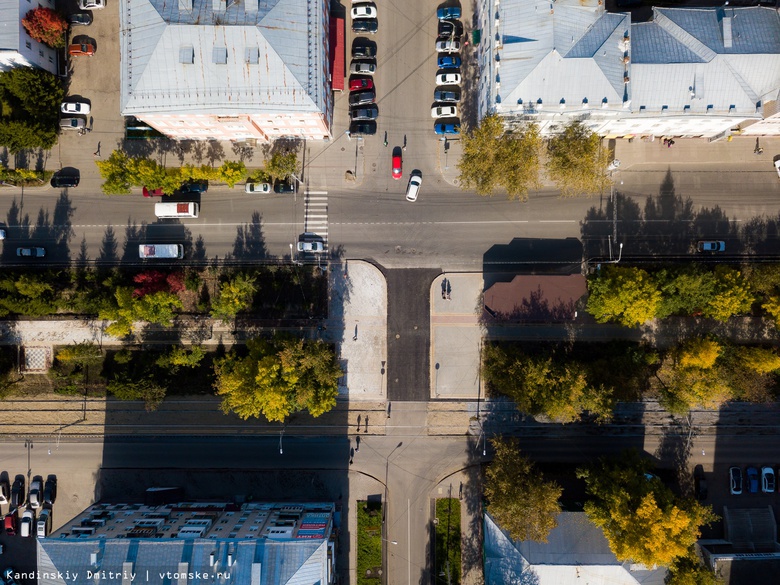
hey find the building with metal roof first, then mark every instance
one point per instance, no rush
(17, 47)
(193, 543)
(686, 72)
(227, 70)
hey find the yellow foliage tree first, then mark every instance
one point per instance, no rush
(758, 359)
(699, 353)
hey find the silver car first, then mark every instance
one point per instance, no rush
(75, 108)
(73, 123)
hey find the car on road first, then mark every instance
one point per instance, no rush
(5, 490)
(711, 246)
(752, 479)
(362, 97)
(11, 522)
(31, 252)
(699, 483)
(767, 480)
(35, 497)
(75, 108)
(284, 187)
(314, 247)
(367, 128)
(61, 179)
(18, 495)
(358, 83)
(81, 49)
(363, 10)
(369, 112)
(80, 19)
(448, 13)
(777, 166)
(363, 48)
(258, 188)
(448, 79)
(73, 123)
(446, 96)
(448, 62)
(441, 128)
(50, 490)
(444, 112)
(398, 163)
(447, 46)
(450, 28)
(92, 4)
(365, 25)
(362, 67)
(413, 187)
(735, 481)
(153, 193)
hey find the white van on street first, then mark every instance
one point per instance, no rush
(173, 210)
(161, 251)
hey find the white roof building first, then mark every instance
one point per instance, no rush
(227, 70)
(17, 47)
(686, 72)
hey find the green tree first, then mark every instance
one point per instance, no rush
(733, 295)
(85, 353)
(18, 135)
(689, 570)
(641, 518)
(576, 161)
(158, 308)
(145, 389)
(626, 295)
(685, 292)
(234, 295)
(35, 91)
(46, 26)
(115, 171)
(280, 166)
(181, 357)
(519, 498)
(494, 158)
(280, 376)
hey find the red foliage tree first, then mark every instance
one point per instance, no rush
(46, 26)
(152, 281)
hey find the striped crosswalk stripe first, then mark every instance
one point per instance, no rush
(315, 218)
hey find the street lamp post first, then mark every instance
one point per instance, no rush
(281, 434)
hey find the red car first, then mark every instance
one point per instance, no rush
(153, 193)
(11, 523)
(397, 166)
(81, 49)
(357, 84)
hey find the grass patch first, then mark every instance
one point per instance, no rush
(447, 569)
(369, 543)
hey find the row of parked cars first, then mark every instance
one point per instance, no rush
(753, 481)
(448, 79)
(363, 111)
(38, 502)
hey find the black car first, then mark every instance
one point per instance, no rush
(18, 495)
(362, 97)
(450, 28)
(284, 187)
(447, 96)
(59, 180)
(369, 112)
(699, 483)
(50, 490)
(363, 49)
(365, 25)
(367, 128)
(80, 19)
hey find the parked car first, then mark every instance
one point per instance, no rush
(363, 48)
(450, 28)
(362, 97)
(314, 247)
(92, 4)
(31, 253)
(735, 481)
(152, 193)
(358, 83)
(75, 108)
(368, 112)
(193, 187)
(50, 490)
(87, 49)
(448, 62)
(752, 479)
(362, 67)
(367, 128)
(413, 187)
(444, 112)
(5, 490)
(363, 10)
(448, 79)
(80, 19)
(35, 497)
(61, 179)
(397, 163)
(73, 123)
(446, 128)
(284, 187)
(777, 166)
(43, 524)
(767, 480)
(11, 522)
(26, 525)
(448, 13)
(258, 188)
(365, 25)
(447, 96)
(18, 494)
(711, 246)
(447, 46)
(699, 483)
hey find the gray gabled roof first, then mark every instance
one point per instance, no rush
(10, 27)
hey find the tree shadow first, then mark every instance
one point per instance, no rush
(243, 152)
(250, 243)
(108, 247)
(215, 153)
(199, 251)
(675, 449)
(135, 235)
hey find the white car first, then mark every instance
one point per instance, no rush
(777, 166)
(448, 46)
(444, 112)
(92, 4)
(362, 68)
(767, 480)
(367, 10)
(448, 79)
(75, 108)
(26, 526)
(258, 188)
(413, 188)
(313, 247)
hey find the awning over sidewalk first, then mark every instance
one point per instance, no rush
(337, 53)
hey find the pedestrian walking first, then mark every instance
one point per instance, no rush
(97, 151)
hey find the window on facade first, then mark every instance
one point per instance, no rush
(219, 55)
(28, 44)
(252, 55)
(187, 55)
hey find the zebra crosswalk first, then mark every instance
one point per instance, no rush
(315, 218)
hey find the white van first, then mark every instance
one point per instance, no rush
(161, 251)
(183, 209)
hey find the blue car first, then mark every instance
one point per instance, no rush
(449, 62)
(752, 480)
(446, 128)
(448, 12)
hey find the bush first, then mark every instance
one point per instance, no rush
(46, 26)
